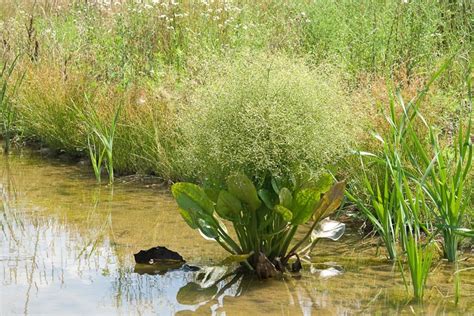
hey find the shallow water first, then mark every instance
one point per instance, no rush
(66, 248)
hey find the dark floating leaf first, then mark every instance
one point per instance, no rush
(159, 255)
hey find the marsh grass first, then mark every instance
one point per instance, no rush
(383, 212)
(100, 138)
(419, 260)
(443, 172)
(419, 254)
(447, 188)
(8, 89)
(423, 187)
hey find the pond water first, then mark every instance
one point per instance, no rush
(66, 248)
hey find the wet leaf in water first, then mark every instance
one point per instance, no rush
(329, 273)
(328, 229)
(209, 276)
(326, 273)
(193, 294)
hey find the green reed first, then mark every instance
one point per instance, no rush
(383, 210)
(443, 172)
(100, 139)
(419, 256)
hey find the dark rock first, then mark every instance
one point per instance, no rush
(158, 255)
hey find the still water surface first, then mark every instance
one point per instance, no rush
(66, 248)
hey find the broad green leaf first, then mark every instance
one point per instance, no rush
(267, 198)
(241, 187)
(275, 186)
(286, 198)
(207, 229)
(305, 201)
(324, 183)
(192, 198)
(235, 259)
(303, 205)
(284, 212)
(330, 201)
(228, 206)
(188, 218)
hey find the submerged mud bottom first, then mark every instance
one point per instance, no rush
(67, 245)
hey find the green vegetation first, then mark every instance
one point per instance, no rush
(289, 120)
(264, 221)
(423, 190)
(383, 212)
(7, 111)
(196, 91)
(100, 140)
(419, 260)
(447, 188)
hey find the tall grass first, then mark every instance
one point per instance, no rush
(100, 138)
(383, 212)
(442, 171)
(8, 89)
(423, 186)
(446, 187)
(388, 37)
(419, 260)
(419, 254)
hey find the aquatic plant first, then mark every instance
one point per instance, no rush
(383, 212)
(448, 175)
(264, 220)
(419, 259)
(7, 91)
(100, 139)
(440, 171)
(419, 255)
(443, 171)
(423, 187)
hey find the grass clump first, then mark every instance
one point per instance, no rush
(45, 109)
(100, 139)
(424, 192)
(265, 116)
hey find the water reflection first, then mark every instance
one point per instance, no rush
(66, 247)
